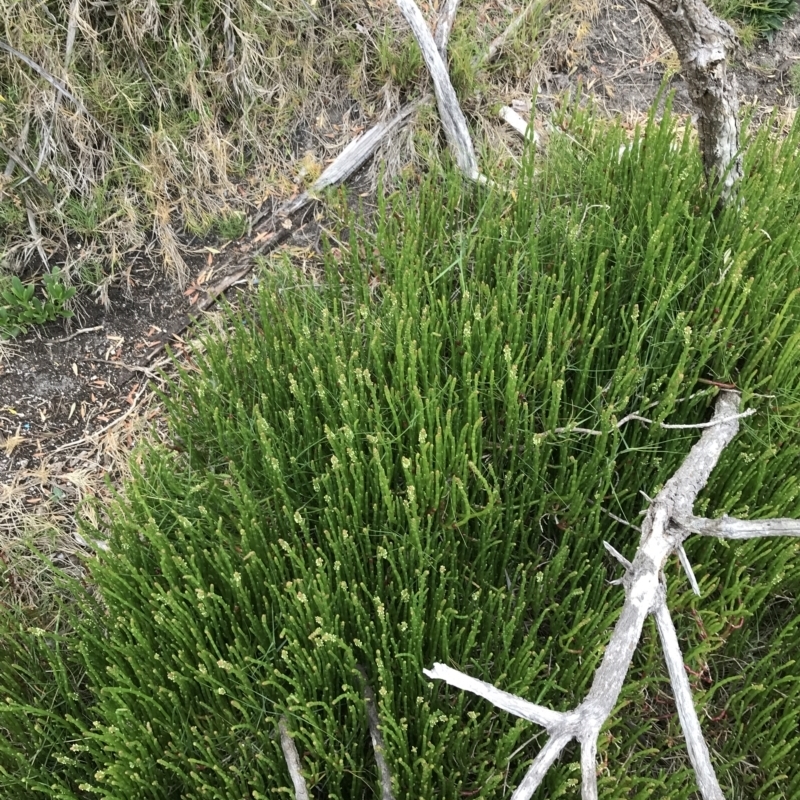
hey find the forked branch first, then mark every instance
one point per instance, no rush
(668, 522)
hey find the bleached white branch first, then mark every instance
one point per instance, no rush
(733, 528)
(444, 25)
(589, 770)
(292, 761)
(452, 117)
(620, 520)
(361, 148)
(377, 739)
(535, 774)
(524, 129)
(645, 594)
(695, 743)
(700, 425)
(515, 705)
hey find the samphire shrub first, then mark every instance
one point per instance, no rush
(378, 469)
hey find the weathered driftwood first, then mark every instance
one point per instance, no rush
(668, 522)
(444, 25)
(731, 528)
(704, 43)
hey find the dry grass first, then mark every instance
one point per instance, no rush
(187, 111)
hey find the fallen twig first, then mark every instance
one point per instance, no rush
(149, 371)
(81, 331)
(638, 418)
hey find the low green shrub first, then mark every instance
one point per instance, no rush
(383, 469)
(20, 308)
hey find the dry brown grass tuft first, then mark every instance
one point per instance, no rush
(180, 105)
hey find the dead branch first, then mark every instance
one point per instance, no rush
(667, 523)
(732, 528)
(95, 435)
(639, 418)
(377, 738)
(450, 113)
(292, 761)
(704, 43)
(444, 25)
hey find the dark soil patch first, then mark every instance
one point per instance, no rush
(68, 385)
(67, 382)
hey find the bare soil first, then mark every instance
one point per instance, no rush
(76, 398)
(626, 56)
